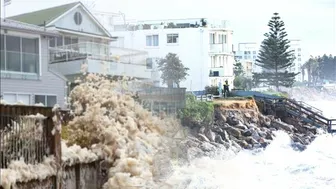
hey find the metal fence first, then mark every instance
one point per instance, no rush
(25, 135)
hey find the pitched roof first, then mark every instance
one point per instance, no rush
(16, 25)
(44, 15)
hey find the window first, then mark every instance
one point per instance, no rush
(47, 100)
(59, 41)
(19, 54)
(254, 57)
(215, 73)
(254, 52)
(13, 57)
(13, 98)
(149, 63)
(52, 42)
(220, 38)
(247, 52)
(212, 38)
(172, 38)
(299, 59)
(30, 55)
(2, 50)
(299, 49)
(152, 40)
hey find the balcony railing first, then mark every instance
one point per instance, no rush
(96, 51)
(220, 48)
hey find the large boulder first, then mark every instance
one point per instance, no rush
(278, 124)
(232, 120)
(203, 138)
(234, 131)
(210, 135)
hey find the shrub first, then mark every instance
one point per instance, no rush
(197, 113)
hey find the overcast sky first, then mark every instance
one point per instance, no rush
(312, 21)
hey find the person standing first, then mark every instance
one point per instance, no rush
(226, 88)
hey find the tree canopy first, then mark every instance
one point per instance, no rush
(320, 68)
(173, 71)
(275, 56)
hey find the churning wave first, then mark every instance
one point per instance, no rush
(276, 167)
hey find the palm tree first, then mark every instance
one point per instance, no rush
(313, 70)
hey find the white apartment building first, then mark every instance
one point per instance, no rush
(247, 55)
(295, 45)
(248, 52)
(203, 45)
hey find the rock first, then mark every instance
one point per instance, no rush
(242, 143)
(210, 135)
(247, 132)
(255, 135)
(269, 135)
(262, 134)
(241, 126)
(281, 125)
(232, 120)
(297, 139)
(236, 145)
(223, 118)
(252, 126)
(254, 120)
(298, 147)
(310, 128)
(234, 131)
(219, 139)
(247, 115)
(203, 138)
(202, 130)
(207, 147)
(250, 140)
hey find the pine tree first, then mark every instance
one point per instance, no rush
(275, 57)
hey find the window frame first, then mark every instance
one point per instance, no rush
(17, 94)
(172, 35)
(22, 75)
(45, 98)
(152, 40)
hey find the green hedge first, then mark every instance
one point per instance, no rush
(197, 112)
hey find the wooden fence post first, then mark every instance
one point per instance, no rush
(56, 147)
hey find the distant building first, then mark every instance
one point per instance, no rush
(247, 54)
(203, 45)
(295, 45)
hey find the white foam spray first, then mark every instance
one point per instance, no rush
(276, 167)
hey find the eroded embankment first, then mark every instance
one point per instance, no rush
(239, 123)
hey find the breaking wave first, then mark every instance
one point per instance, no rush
(278, 166)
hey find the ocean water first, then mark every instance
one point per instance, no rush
(276, 167)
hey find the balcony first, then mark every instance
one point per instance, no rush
(100, 59)
(219, 48)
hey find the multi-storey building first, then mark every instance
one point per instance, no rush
(295, 45)
(247, 54)
(203, 45)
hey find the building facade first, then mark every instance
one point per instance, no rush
(84, 40)
(247, 54)
(295, 45)
(203, 45)
(25, 73)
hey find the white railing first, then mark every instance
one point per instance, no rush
(97, 51)
(220, 48)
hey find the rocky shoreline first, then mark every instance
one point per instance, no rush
(248, 129)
